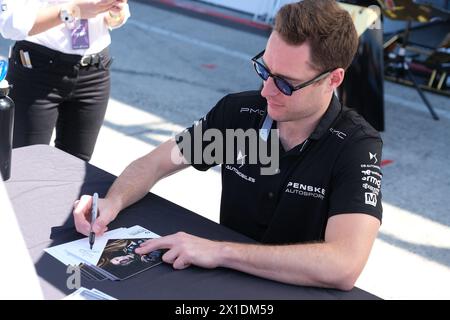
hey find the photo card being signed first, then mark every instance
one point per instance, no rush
(120, 260)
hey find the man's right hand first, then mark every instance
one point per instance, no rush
(82, 215)
(86, 9)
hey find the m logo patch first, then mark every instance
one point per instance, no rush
(371, 199)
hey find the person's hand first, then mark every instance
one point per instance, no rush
(82, 215)
(117, 8)
(86, 9)
(185, 250)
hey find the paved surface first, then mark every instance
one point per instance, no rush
(171, 68)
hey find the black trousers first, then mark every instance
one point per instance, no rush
(58, 92)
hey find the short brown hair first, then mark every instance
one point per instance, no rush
(327, 28)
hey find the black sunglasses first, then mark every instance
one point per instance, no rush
(282, 84)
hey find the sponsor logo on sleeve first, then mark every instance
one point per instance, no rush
(371, 199)
(371, 180)
(373, 156)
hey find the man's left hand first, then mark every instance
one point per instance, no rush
(185, 250)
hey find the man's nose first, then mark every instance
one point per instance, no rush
(269, 88)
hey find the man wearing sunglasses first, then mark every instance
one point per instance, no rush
(318, 215)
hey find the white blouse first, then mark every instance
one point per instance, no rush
(17, 17)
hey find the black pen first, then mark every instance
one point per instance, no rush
(94, 211)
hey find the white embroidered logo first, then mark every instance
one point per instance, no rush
(241, 157)
(373, 157)
(371, 199)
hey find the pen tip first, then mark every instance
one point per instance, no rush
(91, 246)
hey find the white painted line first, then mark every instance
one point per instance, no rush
(232, 53)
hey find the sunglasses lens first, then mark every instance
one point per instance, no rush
(283, 86)
(261, 71)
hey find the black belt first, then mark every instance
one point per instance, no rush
(72, 59)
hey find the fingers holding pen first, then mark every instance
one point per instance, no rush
(100, 226)
(81, 214)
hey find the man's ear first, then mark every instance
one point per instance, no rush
(336, 78)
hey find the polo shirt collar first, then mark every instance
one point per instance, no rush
(327, 119)
(324, 124)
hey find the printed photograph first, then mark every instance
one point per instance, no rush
(119, 258)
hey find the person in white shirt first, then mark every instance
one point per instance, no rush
(59, 69)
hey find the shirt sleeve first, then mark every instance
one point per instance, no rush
(17, 17)
(356, 183)
(197, 142)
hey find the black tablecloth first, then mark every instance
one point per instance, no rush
(44, 183)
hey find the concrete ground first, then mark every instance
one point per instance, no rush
(170, 68)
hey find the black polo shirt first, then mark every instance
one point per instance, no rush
(335, 171)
